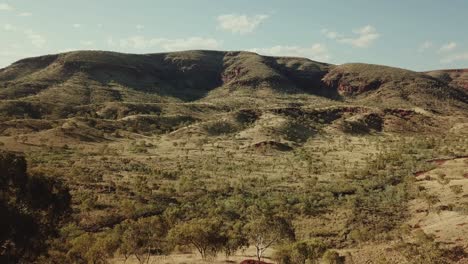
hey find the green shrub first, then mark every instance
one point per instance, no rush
(332, 257)
(219, 128)
(301, 252)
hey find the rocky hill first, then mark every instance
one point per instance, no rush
(95, 77)
(86, 77)
(357, 161)
(455, 77)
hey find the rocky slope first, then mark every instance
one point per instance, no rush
(455, 77)
(92, 77)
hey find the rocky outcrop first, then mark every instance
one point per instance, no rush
(348, 85)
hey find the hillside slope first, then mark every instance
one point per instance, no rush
(86, 77)
(376, 84)
(155, 146)
(456, 77)
(46, 84)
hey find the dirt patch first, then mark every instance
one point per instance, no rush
(419, 173)
(439, 162)
(444, 214)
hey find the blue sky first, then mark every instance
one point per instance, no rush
(413, 34)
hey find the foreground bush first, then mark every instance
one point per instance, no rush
(31, 209)
(302, 252)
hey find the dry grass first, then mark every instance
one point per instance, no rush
(446, 218)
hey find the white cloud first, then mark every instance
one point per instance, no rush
(448, 47)
(316, 51)
(36, 39)
(331, 34)
(137, 42)
(364, 37)
(28, 44)
(424, 46)
(455, 57)
(25, 14)
(76, 25)
(66, 50)
(240, 24)
(9, 27)
(190, 43)
(5, 7)
(87, 43)
(139, 27)
(141, 42)
(111, 42)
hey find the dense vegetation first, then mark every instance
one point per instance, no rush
(31, 209)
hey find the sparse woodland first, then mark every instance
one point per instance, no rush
(295, 177)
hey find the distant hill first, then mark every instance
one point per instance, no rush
(455, 77)
(39, 86)
(85, 77)
(392, 86)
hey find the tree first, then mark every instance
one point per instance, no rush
(103, 248)
(442, 179)
(31, 209)
(265, 231)
(431, 200)
(204, 234)
(300, 252)
(332, 257)
(235, 238)
(144, 237)
(79, 247)
(424, 249)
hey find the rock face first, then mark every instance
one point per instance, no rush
(362, 124)
(346, 85)
(456, 77)
(230, 76)
(358, 78)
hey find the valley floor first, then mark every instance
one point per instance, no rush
(355, 192)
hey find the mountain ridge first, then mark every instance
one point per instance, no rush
(94, 77)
